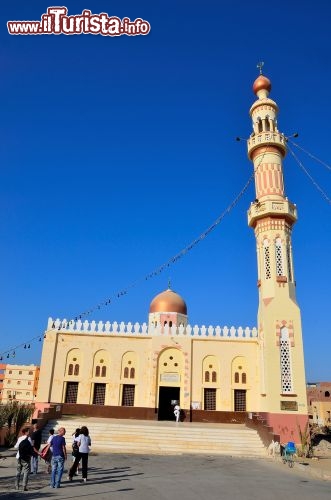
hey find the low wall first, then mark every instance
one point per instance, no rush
(218, 417)
(130, 412)
(287, 426)
(142, 413)
(260, 424)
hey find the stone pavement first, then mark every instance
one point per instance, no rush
(185, 477)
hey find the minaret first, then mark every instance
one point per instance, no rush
(272, 216)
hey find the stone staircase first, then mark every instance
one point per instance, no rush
(152, 437)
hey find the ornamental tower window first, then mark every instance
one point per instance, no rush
(279, 257)
(266, 258)
(285, 361)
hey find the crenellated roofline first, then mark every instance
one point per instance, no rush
(137, 329)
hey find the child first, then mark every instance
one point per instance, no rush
(74, 452)
(48, 459)
(177, 412)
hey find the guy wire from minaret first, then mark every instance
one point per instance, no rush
(317, 186)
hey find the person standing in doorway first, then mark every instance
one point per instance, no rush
(84, 443)
(23, 457)
(58, 444)
(36, 443)
(177, 412)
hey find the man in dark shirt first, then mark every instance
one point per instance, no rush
(36, 443)
(58, 444)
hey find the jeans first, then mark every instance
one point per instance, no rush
(57, 471)
(34, 463)
(24, 466)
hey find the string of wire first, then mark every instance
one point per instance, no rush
(317, 186)
(173, 259)
(310, 154)
(158, 270)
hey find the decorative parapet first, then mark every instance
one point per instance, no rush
(137, 329)
(274, 138)
(267, 208)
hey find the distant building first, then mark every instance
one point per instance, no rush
(141, 371)
(319, 403)
(20, 383)
(2, 376)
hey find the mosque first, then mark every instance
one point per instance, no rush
(141, 370)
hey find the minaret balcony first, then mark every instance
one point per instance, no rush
(274, 138)
(272, 208)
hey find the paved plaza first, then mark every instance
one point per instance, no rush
(179, 477)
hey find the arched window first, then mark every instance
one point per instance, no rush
(236, 378)
(279, 257)
(266, 255)
(97, 371)
(259, 125)
(165, 323)
(126, 372)
(327, 394)
(243, 378)
(213, 377)
(103, 371)
(76, 372)
(71, 369)
(132, 372)
(267, 124)
(207, 377)
(285, 361)
(170, 323)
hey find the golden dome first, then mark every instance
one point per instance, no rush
(261, 83)
(168, 301)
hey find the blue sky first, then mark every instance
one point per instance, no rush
(118, 152)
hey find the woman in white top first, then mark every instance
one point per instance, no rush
(84, 443)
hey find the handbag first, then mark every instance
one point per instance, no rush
(45, 452)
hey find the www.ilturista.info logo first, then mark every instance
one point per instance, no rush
(57, 22)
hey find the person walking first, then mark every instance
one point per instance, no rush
(84, 443)
(36, 443)
(23, 457)
(58, 444)
(75, 448)
(48, 458)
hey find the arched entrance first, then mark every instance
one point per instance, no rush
(170, 376)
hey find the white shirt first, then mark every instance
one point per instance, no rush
(49, 440)
(18, 443)
(85, 442)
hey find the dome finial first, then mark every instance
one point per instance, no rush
(260, 66)
(169, 284)
(262, 84)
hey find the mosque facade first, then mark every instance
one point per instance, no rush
(144, 369)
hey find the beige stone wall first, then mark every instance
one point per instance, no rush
(157, 361)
